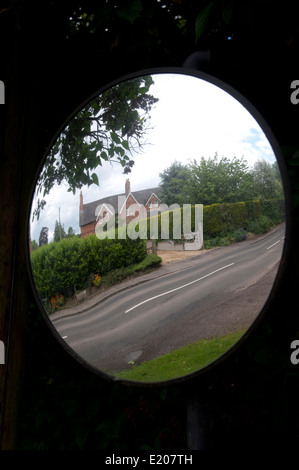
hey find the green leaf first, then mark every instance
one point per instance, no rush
(134, 115)
(130, 10)
(202, 21)
(111, 151)
(104, 156)
(95, 179)
(125, 145)
(115, 137)
(120, 151)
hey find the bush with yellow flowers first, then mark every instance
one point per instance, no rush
(96, 280)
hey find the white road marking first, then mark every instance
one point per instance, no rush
(177, 288)
(64, 337)
(273, 245)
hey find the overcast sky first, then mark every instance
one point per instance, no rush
(192, 119)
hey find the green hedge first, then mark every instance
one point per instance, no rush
(159, 222)
(212, 220)
(274, 209)
(256, 216)
(60, 266)
(221, 219)
(259, 226)
(253, 209)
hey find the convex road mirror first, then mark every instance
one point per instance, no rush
(158, 226)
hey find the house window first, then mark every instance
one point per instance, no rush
(127, 212)
(150, 205)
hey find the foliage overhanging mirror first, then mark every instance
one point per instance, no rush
(157, 227)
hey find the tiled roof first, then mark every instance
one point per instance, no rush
(87, 215)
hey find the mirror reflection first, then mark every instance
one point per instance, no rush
(157, 227)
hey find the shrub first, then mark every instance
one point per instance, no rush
(259, 226)
(234, 215)
(148, 262)
(223, 219)
(118, 275)
(212, 220)
(96, 279)
(57, 301)
(216, 241)
(274, 209)
(239, 235)
(253, 209)
(61, 266)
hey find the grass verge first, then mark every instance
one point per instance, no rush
(182, 361)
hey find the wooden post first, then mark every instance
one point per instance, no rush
(12, 266)
(15, 178)
(154, 247)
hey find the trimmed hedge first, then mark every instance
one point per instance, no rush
(274, 209)
(221, 219)
(60, 266)
(159, 222)
(253, 209)
(255, 216)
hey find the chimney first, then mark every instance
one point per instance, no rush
(127, 187)
(81, 201)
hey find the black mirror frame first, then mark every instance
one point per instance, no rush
(288, 227)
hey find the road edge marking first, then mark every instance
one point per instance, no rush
(177, 288)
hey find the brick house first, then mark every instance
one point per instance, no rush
(127, 206)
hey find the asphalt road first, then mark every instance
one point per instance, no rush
(220, 292)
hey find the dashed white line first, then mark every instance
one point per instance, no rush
(177, 288)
